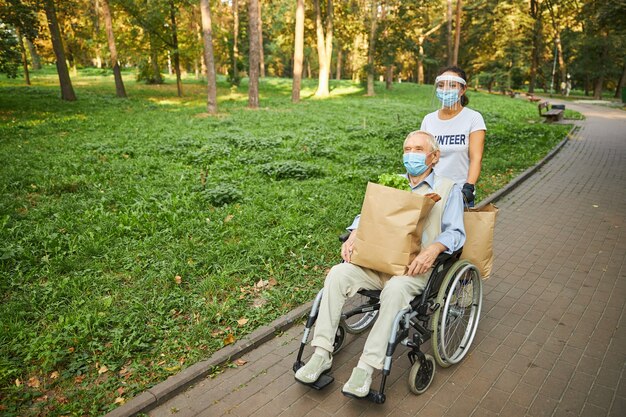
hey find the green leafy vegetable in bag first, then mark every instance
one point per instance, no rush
(394, 181)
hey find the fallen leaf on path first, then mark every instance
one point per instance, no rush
(242, 321)
(120, 391)
(240, 362)
(103, 369)
(54, 375)
(120, 400)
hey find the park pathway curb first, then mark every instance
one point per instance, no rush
(175, 384)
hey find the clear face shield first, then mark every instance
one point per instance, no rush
(448, 91)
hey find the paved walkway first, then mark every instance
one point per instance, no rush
(552, 337)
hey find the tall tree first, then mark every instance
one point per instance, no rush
(324, 47)
(253, 55)
(449, 34)
(22, 17)
(555, 17)
(117, 73)
(34, 56)
(298, 52)
(261, 54)
(174, 28)
(24, 59)
(371, 49)
(535, 13)
(207, 38)
(457, 32)
(67, 91)
(420, 55)
(235, 54)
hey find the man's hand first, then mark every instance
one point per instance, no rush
(348, 246)
(425, 259)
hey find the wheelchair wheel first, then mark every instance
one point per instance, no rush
(456, 320)
(340, 338)
(360, 322)
(420, 376)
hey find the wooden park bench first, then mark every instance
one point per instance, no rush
(552, 114)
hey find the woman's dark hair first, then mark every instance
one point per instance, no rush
(458, 71)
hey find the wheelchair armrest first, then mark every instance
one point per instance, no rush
(444, 257)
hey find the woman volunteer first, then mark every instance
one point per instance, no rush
(460, 132)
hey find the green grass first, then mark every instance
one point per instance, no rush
(133, 233)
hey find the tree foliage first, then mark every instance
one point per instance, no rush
(504, 45)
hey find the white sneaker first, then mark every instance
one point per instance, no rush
(359, 383)
(315, 367)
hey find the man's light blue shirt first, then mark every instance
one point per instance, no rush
(452, 228)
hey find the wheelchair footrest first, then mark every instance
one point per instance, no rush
(373, 396)
(322, 382)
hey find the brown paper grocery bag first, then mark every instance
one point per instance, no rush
(479, 227)
(390, 229)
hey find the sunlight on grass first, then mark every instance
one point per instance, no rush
(133, 231)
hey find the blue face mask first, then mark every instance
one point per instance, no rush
(448, 97)
(415, 163)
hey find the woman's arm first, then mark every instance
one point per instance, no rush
(476, 146)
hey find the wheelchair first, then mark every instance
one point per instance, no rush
(446, 313)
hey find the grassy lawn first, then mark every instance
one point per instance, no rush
(139, 236)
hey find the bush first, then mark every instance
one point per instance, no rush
(223, 194)
(290, 170)
(145, 72)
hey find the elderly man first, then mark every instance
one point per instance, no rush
(443, 232)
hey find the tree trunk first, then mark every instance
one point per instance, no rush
(261, 54)
(621, 82)
(339, 59)
(557, 40)
(559, 49)
(154, 60)
(207, 38)
(67, 91)
(34, 56)
(457, 32)
(253, 58)
(389, 77)
(420, 61)
(535, 13)
(599, 82)
(298, 54)
(235, 9)
(117, 74)
(179, 84)
(372, 48)
(324, 47)
(24, 58)
(449, 34)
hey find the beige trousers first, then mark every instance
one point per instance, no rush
(343, 281)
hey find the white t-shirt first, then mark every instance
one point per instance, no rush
(453, 138)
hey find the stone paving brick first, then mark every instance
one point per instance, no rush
(551, 340)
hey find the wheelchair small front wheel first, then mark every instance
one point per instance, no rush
(421, 375)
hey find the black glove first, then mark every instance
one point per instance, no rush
(468, 193)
